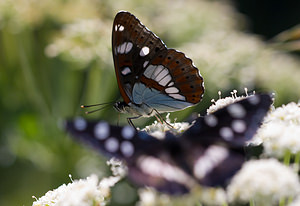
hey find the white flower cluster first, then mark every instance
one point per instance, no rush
(223, 102)
(83, 41)
(158, 130)
(263, 181)
(280, 132)
(205, 195)
(117, 167)
(17, 15)
(85, 192)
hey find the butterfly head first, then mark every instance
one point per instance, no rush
(121, 107)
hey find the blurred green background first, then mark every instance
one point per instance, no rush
(56, 55)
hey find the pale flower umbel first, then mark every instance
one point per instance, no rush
(280, 132)
(264, 181)
(158, 130)
(205, 195)
(84, 192)
(223, 102)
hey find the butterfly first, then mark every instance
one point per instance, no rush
(152, 78)
(209, 153)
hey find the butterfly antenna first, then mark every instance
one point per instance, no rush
(94, 105)
(89, 112)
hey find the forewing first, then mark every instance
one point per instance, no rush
(132, 45)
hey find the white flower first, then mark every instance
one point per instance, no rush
(205, 195)
(288, 114)
(82, 41)
(117, 167)
(264, 181)
(84, 192)
(223, 102)
(280, 132)
(158, 130)
(295, 202)
(279, 138)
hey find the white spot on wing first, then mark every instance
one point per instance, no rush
(116, 27)
(128, 132)
(80, 124)
(238, 126)
(171, 84)
(161, 75)
(165, 80)
(127, 148)
(211, 120)
(118, 49)
(236, 110)
(213, 156)
(149, 71)
(226, 133)
(157, 168)
(111, 144)
(102, 130)
(121, 28)
(126, 70)
(128, 47)
(158, 69)
(145, 63)
(123, 47)
(171, 90)
(254, 100)
(144, 51)
(177, 96)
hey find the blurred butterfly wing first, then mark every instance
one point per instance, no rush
(148, 159)
(113, 141)
(164, 176)
(212, 165)
(234, 124)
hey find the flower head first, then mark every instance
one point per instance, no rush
(264, 181)
(158, 129)
(83, 192)
(223, 102)
(280, 132)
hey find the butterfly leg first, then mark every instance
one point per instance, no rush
(161, 119)
(129, 120)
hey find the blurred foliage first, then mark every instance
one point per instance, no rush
(56, 55)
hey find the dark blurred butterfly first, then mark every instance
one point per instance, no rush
(209, 153)
(152, 79)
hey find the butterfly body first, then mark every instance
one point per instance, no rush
(151, 78)
(209, 153)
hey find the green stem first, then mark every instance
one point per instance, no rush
(297, 162)
(30, 81)
(287, 158)
(282, 202)
(289, 201)
(251, 203)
